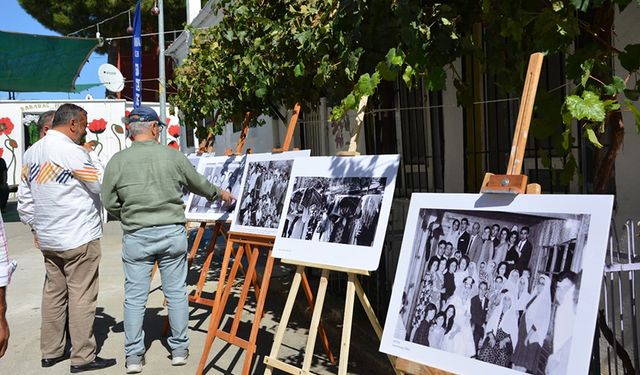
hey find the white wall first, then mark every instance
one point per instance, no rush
(453, 137)
(110, 111)
(627, 173)
(260, 139)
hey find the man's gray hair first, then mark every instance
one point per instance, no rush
(140, 127)
(45, 118)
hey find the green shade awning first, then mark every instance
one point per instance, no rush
(34, 63)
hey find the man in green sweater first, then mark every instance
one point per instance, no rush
(142, 188)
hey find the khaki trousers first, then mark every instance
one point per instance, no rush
(70, 287)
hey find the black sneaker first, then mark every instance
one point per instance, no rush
(97, 364)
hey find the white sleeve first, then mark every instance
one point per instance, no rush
(7, 266)
(97, 163)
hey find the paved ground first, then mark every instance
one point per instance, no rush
(24, 296)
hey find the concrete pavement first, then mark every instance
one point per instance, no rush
(24, 297)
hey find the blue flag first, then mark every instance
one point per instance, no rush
(137, 58)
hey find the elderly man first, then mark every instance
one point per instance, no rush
(142, 188)
(59, 198)
(44, 123)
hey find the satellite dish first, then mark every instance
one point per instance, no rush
(111, 77)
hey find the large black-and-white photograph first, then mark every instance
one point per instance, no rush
(224, 172)
(338, 210)
(264, 192)
(497, 287)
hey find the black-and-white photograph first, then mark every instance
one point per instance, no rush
(226, 173)
(498, 287)
(264, 193)
(337, 210)
(194, 159)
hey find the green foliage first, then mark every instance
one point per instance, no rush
(67, 16)
(588, 107)
(630, 58)
(266, 54)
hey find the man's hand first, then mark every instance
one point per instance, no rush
(226, 197)
(89, 146)
(4, 326)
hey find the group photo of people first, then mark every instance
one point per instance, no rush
(264, 193)
(226, 174)
(339, 210)
(501, 288)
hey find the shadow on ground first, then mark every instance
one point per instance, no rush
(364, 356)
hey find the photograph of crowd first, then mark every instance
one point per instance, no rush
(224, 172)
(497, 287)
(342, 210)
(264, 191)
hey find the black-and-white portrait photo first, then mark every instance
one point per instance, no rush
(225, 174)
(337, 210)
(497, 287)
(264, 193)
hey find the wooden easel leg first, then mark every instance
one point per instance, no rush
(323, 334)
(315, 321)
(207, 262)
(286, 315)
(254, 277)
(153, 270)
(346, 326)
(243, 294)
(372, 317)
(220, 301)
(266, 278)
(196, 242)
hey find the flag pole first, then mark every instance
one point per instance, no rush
(161, 70)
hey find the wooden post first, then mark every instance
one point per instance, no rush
(512, 182)
(286, 145)
(243, 136)
(352, 148)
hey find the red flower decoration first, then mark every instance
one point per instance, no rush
(6, 126)
(1, 151)
(174, 131)
(97, 126)
(13, 143)
(174, 144)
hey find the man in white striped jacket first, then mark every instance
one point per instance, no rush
(59, 197)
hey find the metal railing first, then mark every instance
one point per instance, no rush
(616, 343)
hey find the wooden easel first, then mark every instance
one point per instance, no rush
(353, 288)
(218, 230)
(513, 182)
(251, 245)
